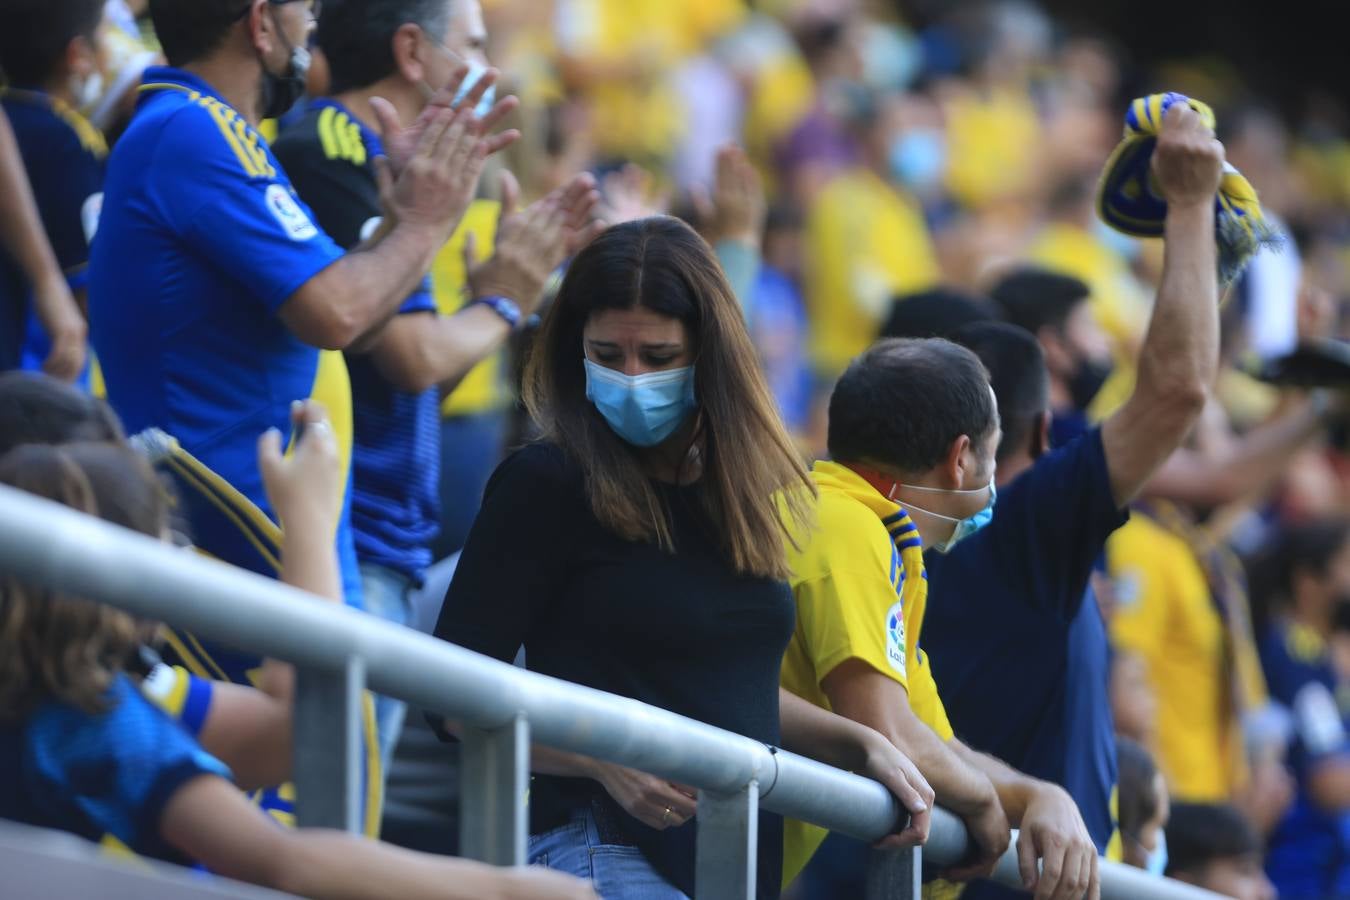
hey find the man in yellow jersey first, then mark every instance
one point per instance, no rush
(913, 430)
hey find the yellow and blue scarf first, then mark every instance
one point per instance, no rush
(1128, 202)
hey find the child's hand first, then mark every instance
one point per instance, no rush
(303, 487)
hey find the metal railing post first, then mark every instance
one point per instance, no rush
(494, 778)
(328, 749)
(728, 844)
(895, 874)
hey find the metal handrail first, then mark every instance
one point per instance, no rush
(502, 706)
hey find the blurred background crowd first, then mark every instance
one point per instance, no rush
(904, 168)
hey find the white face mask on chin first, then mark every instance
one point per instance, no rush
(86, 91)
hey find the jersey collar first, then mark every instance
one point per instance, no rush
(838, 478)
(162, 78)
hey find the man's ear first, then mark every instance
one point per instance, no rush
(262, 28)
(1040, 435)
(407, 47)
(959, 458)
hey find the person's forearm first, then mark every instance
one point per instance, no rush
(1255, 463)
(545, 760)
(20, 224)
(438, 351)
(364, 289)
(820, 734)
(336, 866)
(1014, 789)
(959, 786)
(1181, 349)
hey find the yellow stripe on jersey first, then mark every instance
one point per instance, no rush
(242, 513)
(327, 136)
(341, 137)
(374, 799)
(241, 139)
(194, 665)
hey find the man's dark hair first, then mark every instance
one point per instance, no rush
(34, 35)
(190, 30)
(1016, 366)
(36, 409)
(357, 36)
(1033, 298)
(1201, 833)
(903, 402)
(936, 312)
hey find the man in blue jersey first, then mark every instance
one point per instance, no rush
(403, 51)
(214, 288)
(49, 56)
(1018, 644)
(214, 291)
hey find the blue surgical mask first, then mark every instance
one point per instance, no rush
(476, 71)
(964, 527)
(644, 410)
(1157, 860)
(918, 158)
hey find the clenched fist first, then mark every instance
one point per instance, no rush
(1188, 161)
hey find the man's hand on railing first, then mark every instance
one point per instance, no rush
(651, 800)
(990, 835)
(1052, 831)
(897, 772)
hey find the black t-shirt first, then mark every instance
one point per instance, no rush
(680, 631)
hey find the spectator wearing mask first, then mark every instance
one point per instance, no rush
(1144, 809)
(912, 434)
(402, 52)
(1305, 576)
(1212, 846)
(215, 293)
(638, 548)
(71, 708)
(1025, 578)
(49, 54)
(1055, 309)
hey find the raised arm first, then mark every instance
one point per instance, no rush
(1179, 359)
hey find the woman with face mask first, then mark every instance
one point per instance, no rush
(638, 548)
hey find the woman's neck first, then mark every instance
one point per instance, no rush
(679, 458)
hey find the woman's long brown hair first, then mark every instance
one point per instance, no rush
(54, 646)
(754, 486)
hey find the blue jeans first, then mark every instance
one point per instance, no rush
(387, 594)
(617, 872)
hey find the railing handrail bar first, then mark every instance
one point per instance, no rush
(46, 543)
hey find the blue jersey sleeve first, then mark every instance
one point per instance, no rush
(1302, 680)
(113, 772)
(234, 205)
(1051, 524)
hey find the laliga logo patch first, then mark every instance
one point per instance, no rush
(895, 637)
(289, 214)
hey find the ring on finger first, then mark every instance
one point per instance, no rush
(665, 817)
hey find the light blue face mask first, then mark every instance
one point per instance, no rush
(919, 158)
(476, 71)
(1157, 860)
(644, 410)
(964, 527)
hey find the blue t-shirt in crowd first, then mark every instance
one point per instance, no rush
(1309, 854)
(396, 455)
(778, 327)
(103, 776)
(201, 242)
(63, 156)
(1018, 644)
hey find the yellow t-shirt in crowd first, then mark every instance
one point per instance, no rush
(859, 583)
(483, 389)
(1167, 615)
(865, 244)
(992, 140)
